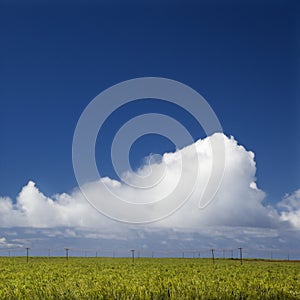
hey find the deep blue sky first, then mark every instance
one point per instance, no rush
(55, 57)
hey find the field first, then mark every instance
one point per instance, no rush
(118, 278)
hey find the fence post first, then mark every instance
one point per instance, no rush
(132, 255)
(241, 255)
(67, 253)
(27, 253)
(213, 255)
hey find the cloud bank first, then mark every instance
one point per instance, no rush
(237, 212)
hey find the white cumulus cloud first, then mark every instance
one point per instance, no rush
(238, 203)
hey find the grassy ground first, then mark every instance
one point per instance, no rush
(117, 278)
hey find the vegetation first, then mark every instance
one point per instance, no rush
(118, 278)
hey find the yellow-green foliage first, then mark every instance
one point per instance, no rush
(108, 278)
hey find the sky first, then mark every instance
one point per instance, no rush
(242, 57)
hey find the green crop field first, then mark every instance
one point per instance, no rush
(118, 278)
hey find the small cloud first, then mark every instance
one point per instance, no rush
(2, 240)
(290, 209)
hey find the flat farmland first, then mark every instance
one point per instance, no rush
(147, 278)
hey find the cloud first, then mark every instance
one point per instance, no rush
(237, 203)
(237, 214)
(290, 209)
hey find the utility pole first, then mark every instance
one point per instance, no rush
(48, 253)
(231, 254)
(182, 254)
(27, 253)
(241, 255)
(67, 253)
(213, 255)
(223, 253)
(132, 255)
